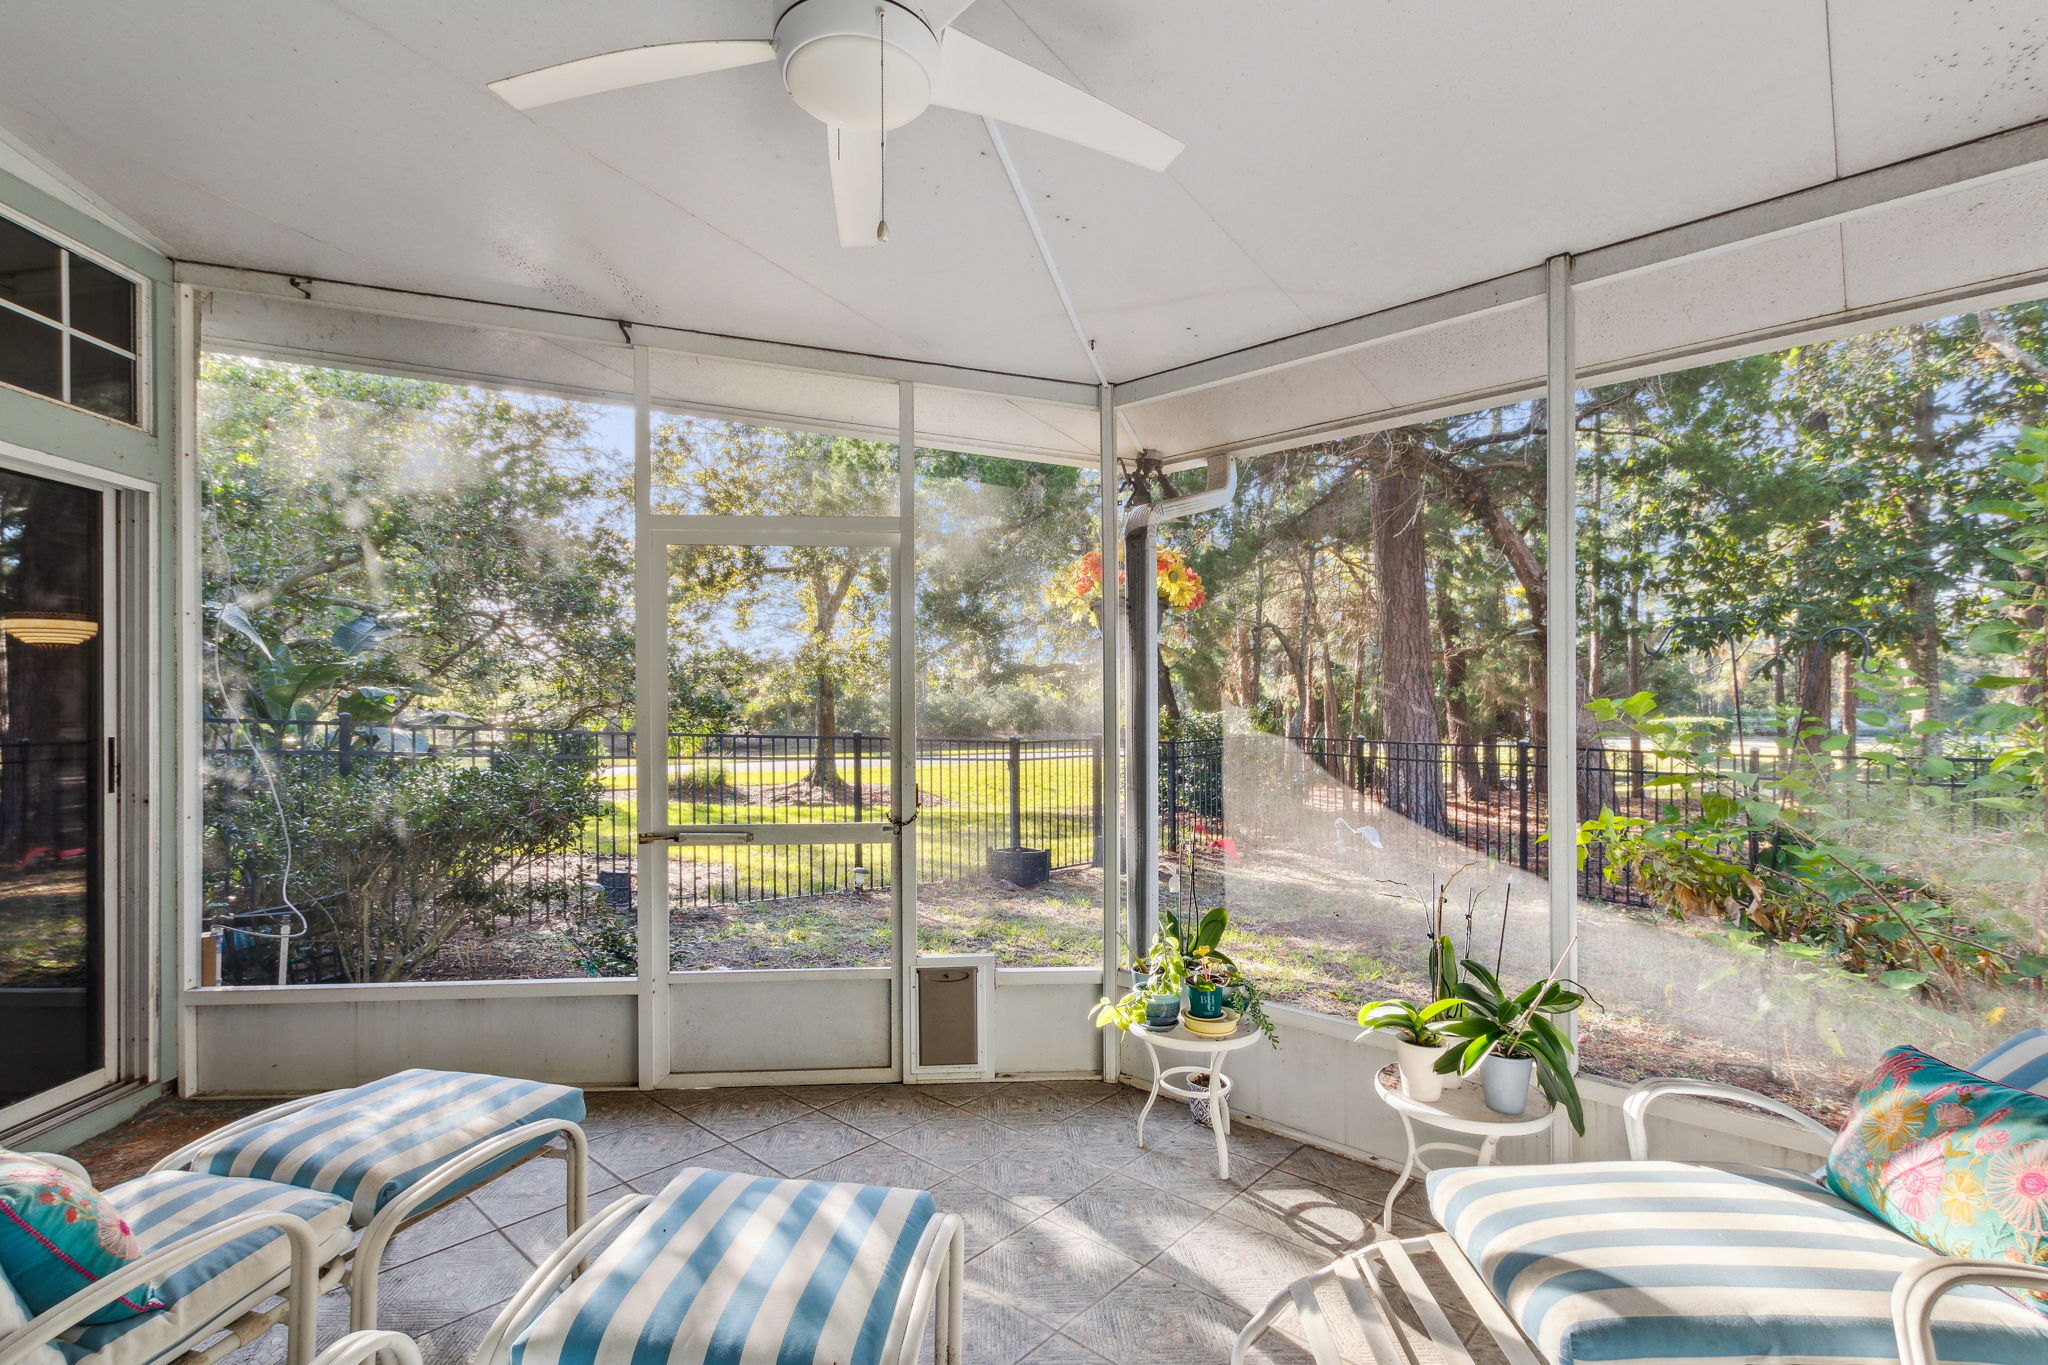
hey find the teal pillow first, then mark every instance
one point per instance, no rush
(1956, 1162)
(59, 1235)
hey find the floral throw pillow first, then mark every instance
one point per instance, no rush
(59, 1235)
(1956, 1162)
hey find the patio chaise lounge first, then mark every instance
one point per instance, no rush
(1630, 1262)
(249, 1225)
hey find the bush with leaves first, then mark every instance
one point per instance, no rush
(401, 854)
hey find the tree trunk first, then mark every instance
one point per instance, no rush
(1457, 705)
(1816, 689)
(1414, 785)
(1849, 701)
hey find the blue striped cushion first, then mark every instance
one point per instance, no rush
(220, 1286)
(728, 1268)
(2021, 1062)
(369, 1143)
(1664, 1261)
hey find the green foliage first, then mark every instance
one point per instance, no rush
(1833, 903)
(1177, 957)
(1416, 1023)
(418, 850)
(1494, 1023)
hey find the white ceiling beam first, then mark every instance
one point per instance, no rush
(1985, 159)
(582, 327)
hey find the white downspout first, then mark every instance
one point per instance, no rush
(1141, 570)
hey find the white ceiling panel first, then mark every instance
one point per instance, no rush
(1912, 76)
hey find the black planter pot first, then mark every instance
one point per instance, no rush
(1020, 866)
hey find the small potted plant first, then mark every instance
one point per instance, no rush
(1516, 1035)
(1418, 1042)
(1157, 978)
(1208, 981)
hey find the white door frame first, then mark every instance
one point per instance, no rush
(654, 534)
(128, 687)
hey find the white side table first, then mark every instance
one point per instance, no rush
(1178, 1039)
(1461, 1110)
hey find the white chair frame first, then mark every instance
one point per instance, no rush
(1369, 1300)
(937, 1269)
(365, 1260)
(294, 1305)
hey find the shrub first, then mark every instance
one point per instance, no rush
(408, 853)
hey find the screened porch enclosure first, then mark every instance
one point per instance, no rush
(582, 621)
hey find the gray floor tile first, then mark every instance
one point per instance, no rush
(803, 1145)
(538, 1236)
(1037, 1173)
(458, 1222)
(996, 1332)
(1151, 1320)
(1283, 1204)
(735, 1113)
(1108, 1139)
(988, 1216)
(630, 1153)
(1137, 1219)
(1192, 1175)
(1246, 1139)
(1059, 1349)
(536, 1187)
(955, 1141)
(1240, 1265)
(437, 1290)
(882, 1164)
(1028, 1102)
(889, 1109)
(1052, 1273)
(1339, 1173)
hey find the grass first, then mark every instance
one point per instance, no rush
(42, 929)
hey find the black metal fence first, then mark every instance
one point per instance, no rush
(1491, 797)
(973, 795)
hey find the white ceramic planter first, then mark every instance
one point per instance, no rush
(1419, 1080)
(1506, 1082)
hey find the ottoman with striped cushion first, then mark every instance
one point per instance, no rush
(729, 1268)
(2021, 1062)
(399, 1149)
(1665, 1261)
(370, 1143)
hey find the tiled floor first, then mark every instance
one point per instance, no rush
(1083, 1249)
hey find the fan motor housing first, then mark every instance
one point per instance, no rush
(865, 65)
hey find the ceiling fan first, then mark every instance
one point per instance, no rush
(863, 68)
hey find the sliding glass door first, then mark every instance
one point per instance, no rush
(54, 779)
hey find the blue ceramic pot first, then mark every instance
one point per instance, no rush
(1162, 1011)
(1205, 1002)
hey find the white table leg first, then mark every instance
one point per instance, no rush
(1219, 1115)
(1407, 1167)
(1486, 1149)
(1153, 1098)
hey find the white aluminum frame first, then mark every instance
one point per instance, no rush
(127, 912)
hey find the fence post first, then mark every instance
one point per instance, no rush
(1522, 799)
(1172, 747)
(1016, 791)
(860, 792)
(1095, 793)
(345, 734)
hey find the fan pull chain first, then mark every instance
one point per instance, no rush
(882, 129)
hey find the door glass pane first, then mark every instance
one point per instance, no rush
(778, 715)
(28, 270)
(31, 354)
(51, 738)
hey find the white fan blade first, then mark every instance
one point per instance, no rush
(630, 67)
(977, 79)
(856, 184)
